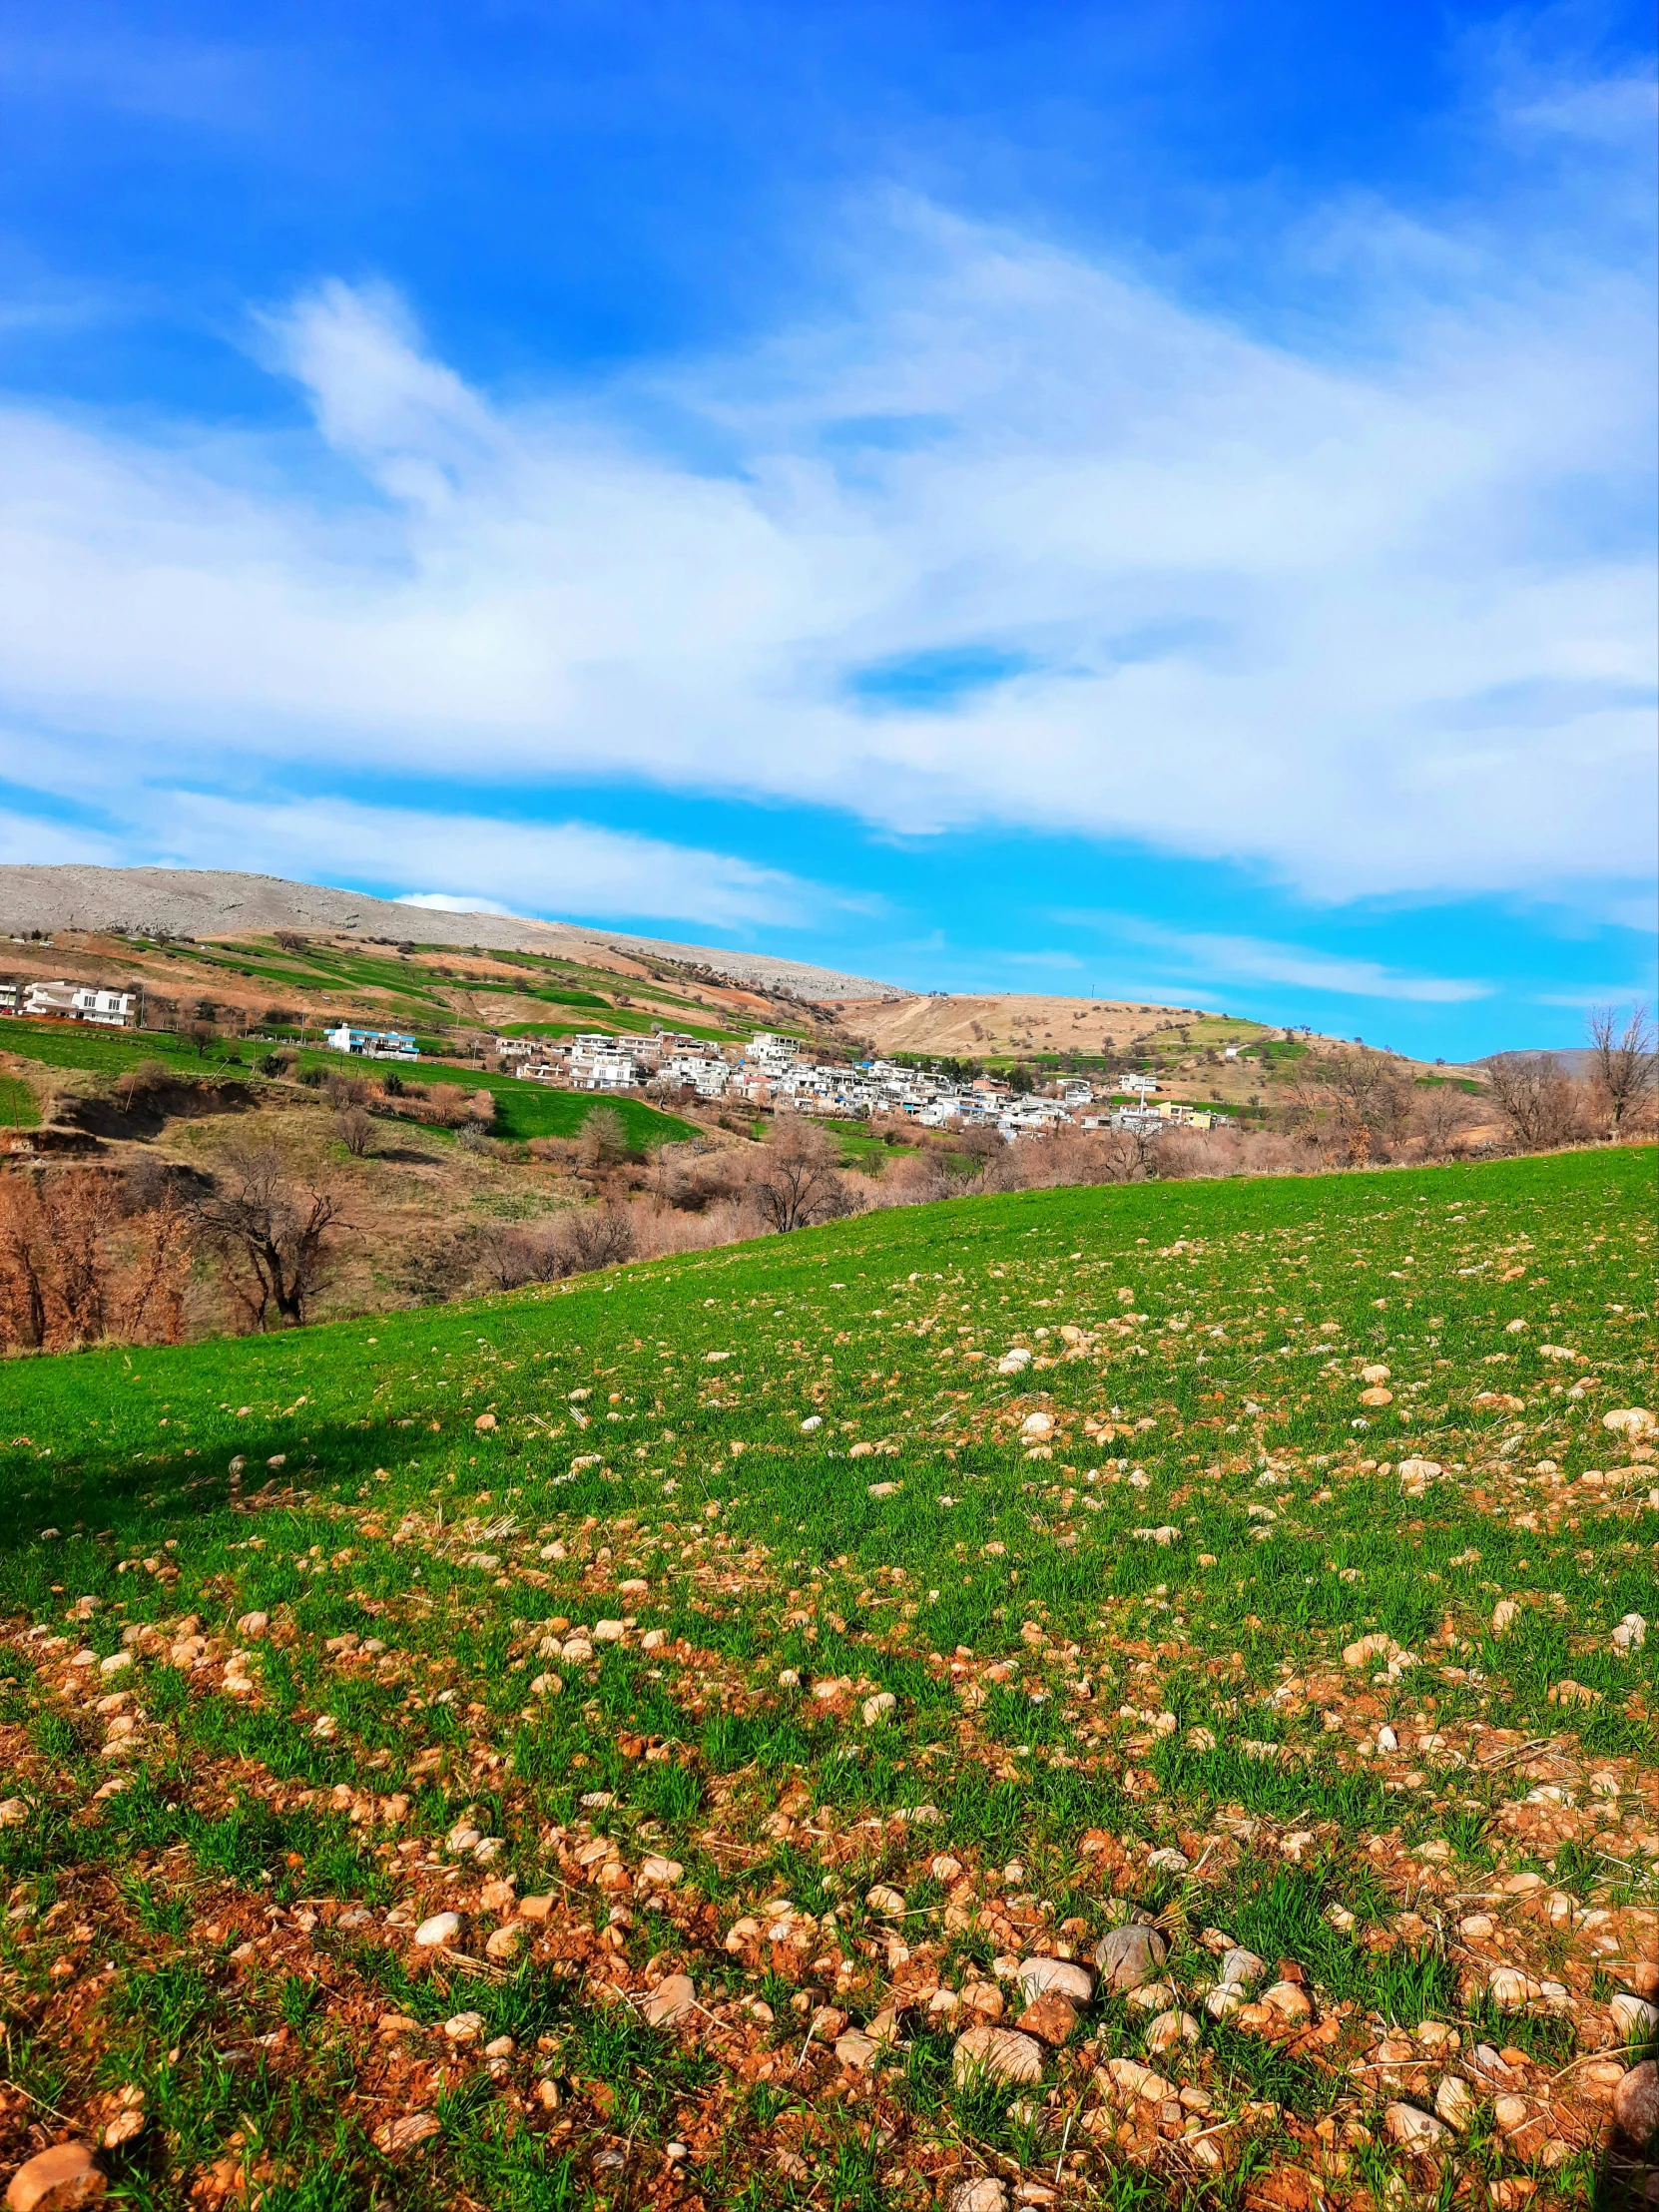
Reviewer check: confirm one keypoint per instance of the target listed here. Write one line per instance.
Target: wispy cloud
(1217, 957)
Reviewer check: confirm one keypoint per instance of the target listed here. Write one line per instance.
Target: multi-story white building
(706, 1073)
(598, 1062)
(79, 1002)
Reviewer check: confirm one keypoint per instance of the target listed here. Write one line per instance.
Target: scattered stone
(1170, 2029)
(440, 1931)
(1130, 1956)
(1051, 2017)
(983, 2195)
(1511, 1991)
(856, 2049)
(1420, 2133)
(252, 1625)
(875, 1709)
(983, 1998)
(504, 1943)
(1454, 2103)
(1289, 2001)
(1131, 2079)
(393, 2137)
(1224, 1998)
(1058, 1976)
(661, 1873)
(1168, 1861)
(1636, 2102)
(1002, 2052)
(1151, 1997)
(1242, 1967)
(462, 2027)
(56, 2179)
(673, 1996)
(1636, 2017)
(885, 1900)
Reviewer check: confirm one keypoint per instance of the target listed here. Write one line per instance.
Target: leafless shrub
(275, 1229)
(574, 1243)
(598, 1237)
(508, 1258)
(451, 1104)
(354, 1128)
(919, 1180)
(345, 1091)
(602, 1140)
(435, 1268)
(1443, 1117)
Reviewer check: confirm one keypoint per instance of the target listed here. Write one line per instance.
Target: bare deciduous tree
(275, 1229)
(796, 1182)
(1441, 1116)
(1622, 1060)
(1361, 1099)
(1537, 1098)
(80, 1264)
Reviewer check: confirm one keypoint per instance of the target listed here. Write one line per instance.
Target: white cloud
(1380, 621)
(449, 903)
(1216, 956)
(558, 868)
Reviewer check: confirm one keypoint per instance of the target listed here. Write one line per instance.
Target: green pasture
(645, 1451)
(1238, 1281)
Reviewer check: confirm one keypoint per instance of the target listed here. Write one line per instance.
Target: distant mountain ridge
(217, 902)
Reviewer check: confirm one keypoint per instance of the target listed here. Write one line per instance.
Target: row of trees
(89, 1256)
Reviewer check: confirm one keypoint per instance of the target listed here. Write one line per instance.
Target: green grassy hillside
(921, 1659)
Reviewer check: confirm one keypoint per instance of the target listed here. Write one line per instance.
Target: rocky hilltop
(219, 902)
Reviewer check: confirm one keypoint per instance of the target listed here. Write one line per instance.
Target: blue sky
(1144, 500)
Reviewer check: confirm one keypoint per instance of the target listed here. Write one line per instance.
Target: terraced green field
(522, 1109)
(770, 1656)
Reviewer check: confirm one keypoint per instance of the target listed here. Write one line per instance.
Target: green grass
(1230, 1322)
(859, 1148)
(19, 1108)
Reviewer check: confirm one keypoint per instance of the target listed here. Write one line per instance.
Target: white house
(371, 1044)
(82, 1002)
